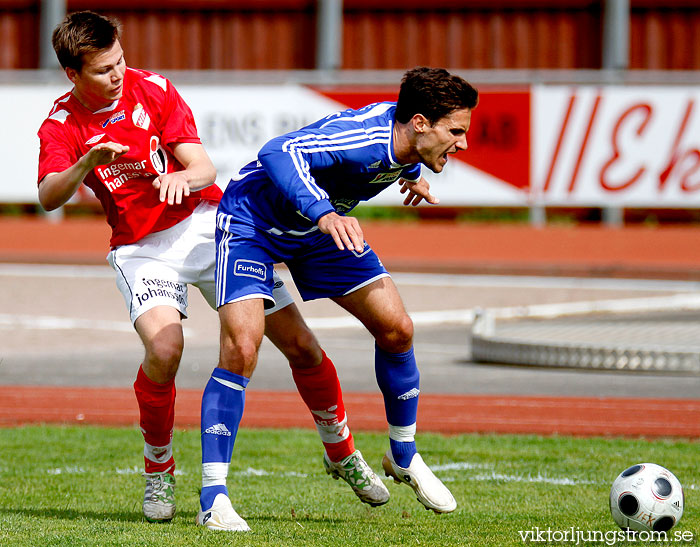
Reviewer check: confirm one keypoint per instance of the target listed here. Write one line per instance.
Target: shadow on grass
(300, 519)
(74, 514)
(187, 516)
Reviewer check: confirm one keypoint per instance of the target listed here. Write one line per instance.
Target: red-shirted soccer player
(129, 136)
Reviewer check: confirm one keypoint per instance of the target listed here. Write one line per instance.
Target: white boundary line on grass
(481, 476)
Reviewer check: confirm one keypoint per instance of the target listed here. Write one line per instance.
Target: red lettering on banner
(604, 181)
(557, 148)
(675, 153)
(581, 153)
(686, 184)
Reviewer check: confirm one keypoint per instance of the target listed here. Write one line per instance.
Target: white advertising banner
(616, 146)
(586, 146)
(235, 121)
(26, 107)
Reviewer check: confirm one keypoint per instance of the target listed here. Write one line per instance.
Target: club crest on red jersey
(140, 117)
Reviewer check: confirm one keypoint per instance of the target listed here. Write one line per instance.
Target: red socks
(319, 387)
(157, 416)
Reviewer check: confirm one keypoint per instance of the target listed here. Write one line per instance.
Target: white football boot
(429, 489)
(159, 498)
(222, 516)
(359, 475)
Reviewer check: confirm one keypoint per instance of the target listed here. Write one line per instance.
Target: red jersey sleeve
(56, 151)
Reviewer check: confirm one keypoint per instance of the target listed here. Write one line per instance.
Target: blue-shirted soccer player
(289, 206)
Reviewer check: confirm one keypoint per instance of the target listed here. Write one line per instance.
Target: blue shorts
(245, 257)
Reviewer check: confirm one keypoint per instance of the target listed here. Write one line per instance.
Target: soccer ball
(646, 497)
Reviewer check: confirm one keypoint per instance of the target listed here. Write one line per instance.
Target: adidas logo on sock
(409, 395)
(218, 429)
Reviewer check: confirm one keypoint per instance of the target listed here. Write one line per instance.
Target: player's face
(446, 136)
(100, 82)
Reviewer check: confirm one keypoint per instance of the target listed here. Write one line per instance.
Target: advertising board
(549, 145)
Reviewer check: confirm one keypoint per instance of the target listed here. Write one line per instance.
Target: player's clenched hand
(172, 186)
(104, 153)
(417, 192)
(345, 231)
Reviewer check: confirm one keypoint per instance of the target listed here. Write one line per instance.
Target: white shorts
(156, 270)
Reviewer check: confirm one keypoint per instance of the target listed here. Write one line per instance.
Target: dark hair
(83, 32)
(433, 92)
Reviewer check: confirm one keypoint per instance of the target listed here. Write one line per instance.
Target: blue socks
(223, 401)
(399, 381)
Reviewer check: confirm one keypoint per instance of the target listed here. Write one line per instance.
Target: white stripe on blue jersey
(344, 140)
(375, 110)
(304, 172)
(341, 144)
(343, 136)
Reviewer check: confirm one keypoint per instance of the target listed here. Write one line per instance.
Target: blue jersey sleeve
(412, 174)
(288, 161)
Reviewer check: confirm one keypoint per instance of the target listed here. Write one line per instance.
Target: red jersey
(149, 118)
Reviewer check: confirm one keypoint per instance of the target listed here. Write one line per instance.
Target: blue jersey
(330, 165)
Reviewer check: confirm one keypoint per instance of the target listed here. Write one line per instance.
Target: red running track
(450, 414)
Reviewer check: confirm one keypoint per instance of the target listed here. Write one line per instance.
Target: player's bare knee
(302, 349)
(305, 355)
(164, 355)
(238, 355)
(398, 337)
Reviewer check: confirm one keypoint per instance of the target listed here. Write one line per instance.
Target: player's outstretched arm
(199, 173)
(345, 231)
(57, 188)
(417, 192)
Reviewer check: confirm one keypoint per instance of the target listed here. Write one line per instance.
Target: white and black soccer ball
(647, 497)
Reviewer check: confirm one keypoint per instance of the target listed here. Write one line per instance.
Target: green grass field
(82, 486)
